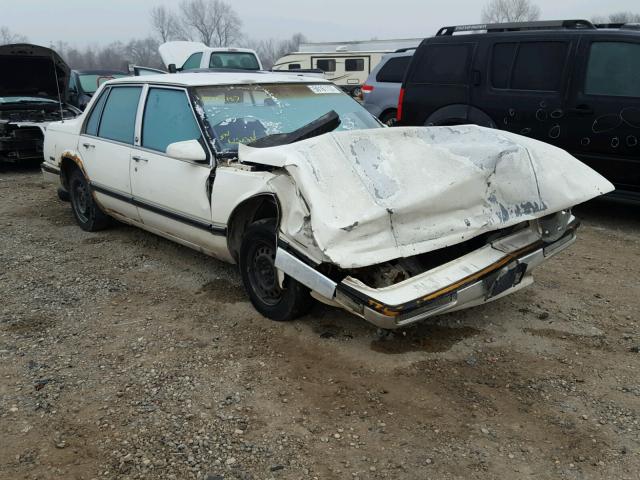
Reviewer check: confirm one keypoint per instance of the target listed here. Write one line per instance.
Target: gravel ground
(123, 355)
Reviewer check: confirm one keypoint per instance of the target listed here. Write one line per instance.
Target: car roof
(101, 72)
(240, 77)
(621, 32)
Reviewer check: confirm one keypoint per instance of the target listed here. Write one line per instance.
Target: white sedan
(297, 183)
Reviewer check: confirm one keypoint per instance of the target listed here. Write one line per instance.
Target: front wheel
(85, 210)
(260, 276)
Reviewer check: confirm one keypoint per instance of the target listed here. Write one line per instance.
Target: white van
(181, 56)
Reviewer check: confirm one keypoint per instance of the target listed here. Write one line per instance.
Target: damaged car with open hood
(33, 90)
(313, 198)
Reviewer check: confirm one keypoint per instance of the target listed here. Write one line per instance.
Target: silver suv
(380, 91)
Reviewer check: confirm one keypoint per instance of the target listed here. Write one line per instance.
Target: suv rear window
(443, 64)
(538, 66)
(393, 71)
(613, 69)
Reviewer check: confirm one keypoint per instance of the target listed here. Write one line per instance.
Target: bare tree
(166, 24)
(624, 17)
(271, 49)
(500, 11)
(143, 52)
(214, 22)
(7, 36)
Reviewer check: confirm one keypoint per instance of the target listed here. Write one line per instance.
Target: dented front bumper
(498, 269)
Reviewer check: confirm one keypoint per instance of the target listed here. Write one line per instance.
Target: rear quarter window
(443, 64)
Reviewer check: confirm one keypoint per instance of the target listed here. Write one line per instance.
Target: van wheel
(260, 276)
(85, 210)
(389, 118)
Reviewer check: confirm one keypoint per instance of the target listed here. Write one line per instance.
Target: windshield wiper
(324, 124)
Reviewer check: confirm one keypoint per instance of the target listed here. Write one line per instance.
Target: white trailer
(347, 64)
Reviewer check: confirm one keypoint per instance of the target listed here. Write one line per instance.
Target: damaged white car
(312, 197)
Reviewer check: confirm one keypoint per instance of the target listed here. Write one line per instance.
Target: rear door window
(393, 71)
(539, 66)
(119, 116)
(502, 63)
(168, 118)
(443, 64)
(613, 69)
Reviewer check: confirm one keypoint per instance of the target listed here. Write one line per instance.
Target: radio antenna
(55, 71)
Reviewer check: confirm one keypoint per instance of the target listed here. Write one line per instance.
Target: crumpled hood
(31, 70)
(380, 194)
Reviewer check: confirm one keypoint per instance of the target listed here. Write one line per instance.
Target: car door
(173, 195)
(605, 108)
(105, 146)
(521, 85)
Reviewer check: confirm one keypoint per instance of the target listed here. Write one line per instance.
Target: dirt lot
(123, 355)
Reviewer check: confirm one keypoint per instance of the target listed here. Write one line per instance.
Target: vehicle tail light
(367, 88)
(400, 100)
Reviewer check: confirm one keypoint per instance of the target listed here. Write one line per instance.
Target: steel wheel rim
(81, 201)
(263, 274)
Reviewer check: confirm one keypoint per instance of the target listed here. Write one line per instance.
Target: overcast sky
(88, 22)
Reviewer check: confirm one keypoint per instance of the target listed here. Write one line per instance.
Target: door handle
(88, 145)
(582, 110)
(136, 158)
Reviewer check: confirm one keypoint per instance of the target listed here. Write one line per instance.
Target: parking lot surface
(123, 355)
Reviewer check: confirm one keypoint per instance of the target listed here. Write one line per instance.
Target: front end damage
(399, 225)
(402, 292)
(33, 89)
(22, 130)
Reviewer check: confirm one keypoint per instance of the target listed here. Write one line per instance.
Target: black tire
(85, 210)
(260, 278)
(389, 118)
(63, 195)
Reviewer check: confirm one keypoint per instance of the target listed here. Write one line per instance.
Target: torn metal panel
(377, 195)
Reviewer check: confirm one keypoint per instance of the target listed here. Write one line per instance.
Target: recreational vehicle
(347, 64)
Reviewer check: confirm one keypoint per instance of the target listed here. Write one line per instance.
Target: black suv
(570, 83)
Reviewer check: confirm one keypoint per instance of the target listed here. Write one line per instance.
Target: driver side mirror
(172, 68)
(189, 150)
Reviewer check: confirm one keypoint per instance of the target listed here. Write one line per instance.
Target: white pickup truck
(184, 56)
(313, 197)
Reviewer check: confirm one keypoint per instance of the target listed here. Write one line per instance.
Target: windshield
(244, 113)
(240, 60)
(26, 100)
(91, 82)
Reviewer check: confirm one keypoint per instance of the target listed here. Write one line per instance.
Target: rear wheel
(85, 210)
(260, 276)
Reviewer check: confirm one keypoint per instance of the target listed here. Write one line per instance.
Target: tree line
(216, 23)
(212, 22)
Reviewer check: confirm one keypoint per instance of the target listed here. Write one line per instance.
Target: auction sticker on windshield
(324, 89)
